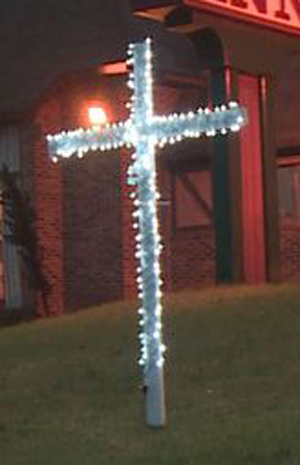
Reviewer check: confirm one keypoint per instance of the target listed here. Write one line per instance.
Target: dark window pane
(193, 199)
(289, 191)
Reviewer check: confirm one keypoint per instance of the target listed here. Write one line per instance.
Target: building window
(192, 199)
(289, 188)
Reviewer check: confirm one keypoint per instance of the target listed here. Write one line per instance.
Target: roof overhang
(283, 16)
(155, 9)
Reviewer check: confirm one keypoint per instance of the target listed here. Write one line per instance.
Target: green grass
(70, 387)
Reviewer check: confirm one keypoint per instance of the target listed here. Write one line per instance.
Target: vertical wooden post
(252, 183)
(221, 189)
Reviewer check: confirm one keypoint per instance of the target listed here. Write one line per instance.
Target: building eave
(157, 10)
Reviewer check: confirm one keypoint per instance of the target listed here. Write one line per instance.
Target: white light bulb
(160, 362)
(235, 127)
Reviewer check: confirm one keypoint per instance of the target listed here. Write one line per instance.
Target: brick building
(230, 208)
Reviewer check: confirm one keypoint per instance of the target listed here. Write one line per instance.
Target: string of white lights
(148, 241)
(163, 130)
(143, 131)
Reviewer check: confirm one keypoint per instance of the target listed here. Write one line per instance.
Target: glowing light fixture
(97, 115)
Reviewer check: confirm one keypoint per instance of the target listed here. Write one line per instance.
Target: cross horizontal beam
(162, 130)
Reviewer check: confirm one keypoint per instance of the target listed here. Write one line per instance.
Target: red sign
(281, 14)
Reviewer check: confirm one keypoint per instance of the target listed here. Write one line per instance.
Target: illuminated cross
(143, 131)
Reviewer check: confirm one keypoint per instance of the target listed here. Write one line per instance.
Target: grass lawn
(70, 387)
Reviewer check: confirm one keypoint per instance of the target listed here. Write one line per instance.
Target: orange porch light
(96, 114)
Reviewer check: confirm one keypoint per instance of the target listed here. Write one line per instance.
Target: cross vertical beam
(148, 239)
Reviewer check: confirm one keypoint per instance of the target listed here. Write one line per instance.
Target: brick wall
(192, 259)
(92, 230)
(92, 203)
(48, 208)
(78, 205)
